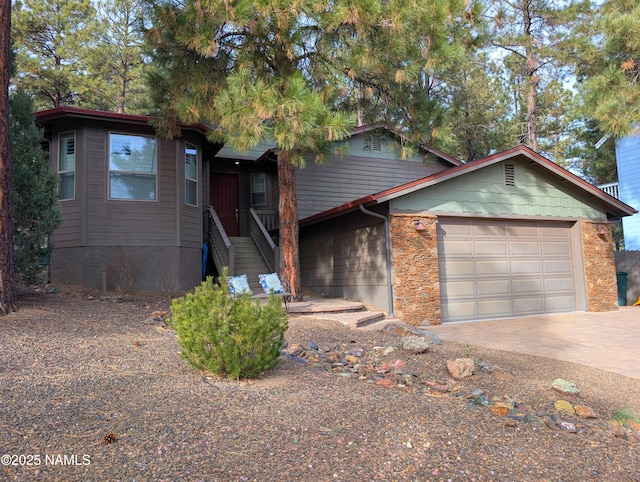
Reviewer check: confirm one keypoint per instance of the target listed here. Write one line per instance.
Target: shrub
(232, 337)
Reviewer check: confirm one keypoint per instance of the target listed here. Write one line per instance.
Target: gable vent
(509, 176)
(376, 142)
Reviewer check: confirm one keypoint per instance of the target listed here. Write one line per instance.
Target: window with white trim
(258, 189)
(132, 167)
(191, 175)
(67, 166)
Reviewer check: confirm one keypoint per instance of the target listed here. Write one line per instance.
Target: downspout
(387, 236)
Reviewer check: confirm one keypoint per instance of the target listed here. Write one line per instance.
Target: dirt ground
(95, 389)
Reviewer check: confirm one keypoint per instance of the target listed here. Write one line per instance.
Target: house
(627, 161)
(428, 238)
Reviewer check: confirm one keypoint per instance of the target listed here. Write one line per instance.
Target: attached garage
(496, 269)
(506, 236)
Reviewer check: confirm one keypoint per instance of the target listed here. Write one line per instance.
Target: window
(132, 167)
(258, 190)
(67, 166)
(191, 175)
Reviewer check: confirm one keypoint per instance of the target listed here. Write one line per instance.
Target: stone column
(599, 266)
(416, 281)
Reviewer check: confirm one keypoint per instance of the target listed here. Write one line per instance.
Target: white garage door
(499, 269)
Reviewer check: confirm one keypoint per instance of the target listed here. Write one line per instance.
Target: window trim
(140, 173)
(188, 146)
(60, 171)
(264, 192)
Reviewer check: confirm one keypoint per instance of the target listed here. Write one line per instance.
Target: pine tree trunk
(532, 82)
(290, 262)
(7, 292)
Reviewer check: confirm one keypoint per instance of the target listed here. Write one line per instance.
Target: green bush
(232, 337)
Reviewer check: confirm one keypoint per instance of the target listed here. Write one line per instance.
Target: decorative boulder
(415, 344)
(460, 367)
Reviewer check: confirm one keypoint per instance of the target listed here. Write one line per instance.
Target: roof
(65, 111)
(614, 206)
(268, 146)
(444, 156)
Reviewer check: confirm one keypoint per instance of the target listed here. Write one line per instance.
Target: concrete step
(350, 313)
(314, 307)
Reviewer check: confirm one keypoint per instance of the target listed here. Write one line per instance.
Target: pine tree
(33, 195)
(279, 69)
(610, 67)
(54, 39)
(533, 36)
(7, 287)
(118, 59)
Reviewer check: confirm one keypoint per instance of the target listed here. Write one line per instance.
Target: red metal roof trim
(67, 111)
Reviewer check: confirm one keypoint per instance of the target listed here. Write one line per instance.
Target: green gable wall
(360, 146)
(484, 191)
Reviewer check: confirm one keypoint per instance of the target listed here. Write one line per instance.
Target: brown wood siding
(130, 223)
(68, 234)
(320, 188)
(346, 258)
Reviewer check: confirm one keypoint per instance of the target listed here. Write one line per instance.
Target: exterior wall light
(418, 225)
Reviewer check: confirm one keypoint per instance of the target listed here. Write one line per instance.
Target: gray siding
(346, 258)
(359, 173)
(628, 159)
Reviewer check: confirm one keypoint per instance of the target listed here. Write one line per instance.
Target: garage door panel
(493, 287)
(558, 231)
(556, 249)
(459, 289)
(522, 230)
(462, 310)
(497, 269)
(555, 285)
(522, 286)
(496, 308)
(491, 248)
(521, 267)
(559, 304)
(489, 230)
(492, 267)
(459, 268)
(457, 247)
(524, 248)
(453, 229)
(528, 306)
(557, 266)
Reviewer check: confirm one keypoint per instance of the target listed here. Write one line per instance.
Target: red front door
(224, 199)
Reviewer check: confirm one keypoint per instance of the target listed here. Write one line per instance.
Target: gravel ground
(76, 369)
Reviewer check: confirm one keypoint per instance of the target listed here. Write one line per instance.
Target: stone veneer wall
(415, 276)
(599, 267)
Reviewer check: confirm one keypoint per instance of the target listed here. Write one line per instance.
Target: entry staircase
(257, 254)
(249, 261)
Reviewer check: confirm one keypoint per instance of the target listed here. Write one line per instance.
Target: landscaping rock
(584, 412)
(460, 367)
(564, 406)
(564, 386)
(415, 344)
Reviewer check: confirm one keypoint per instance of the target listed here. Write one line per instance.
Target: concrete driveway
(609, 341)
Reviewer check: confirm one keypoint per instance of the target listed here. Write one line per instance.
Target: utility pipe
(387, 236)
